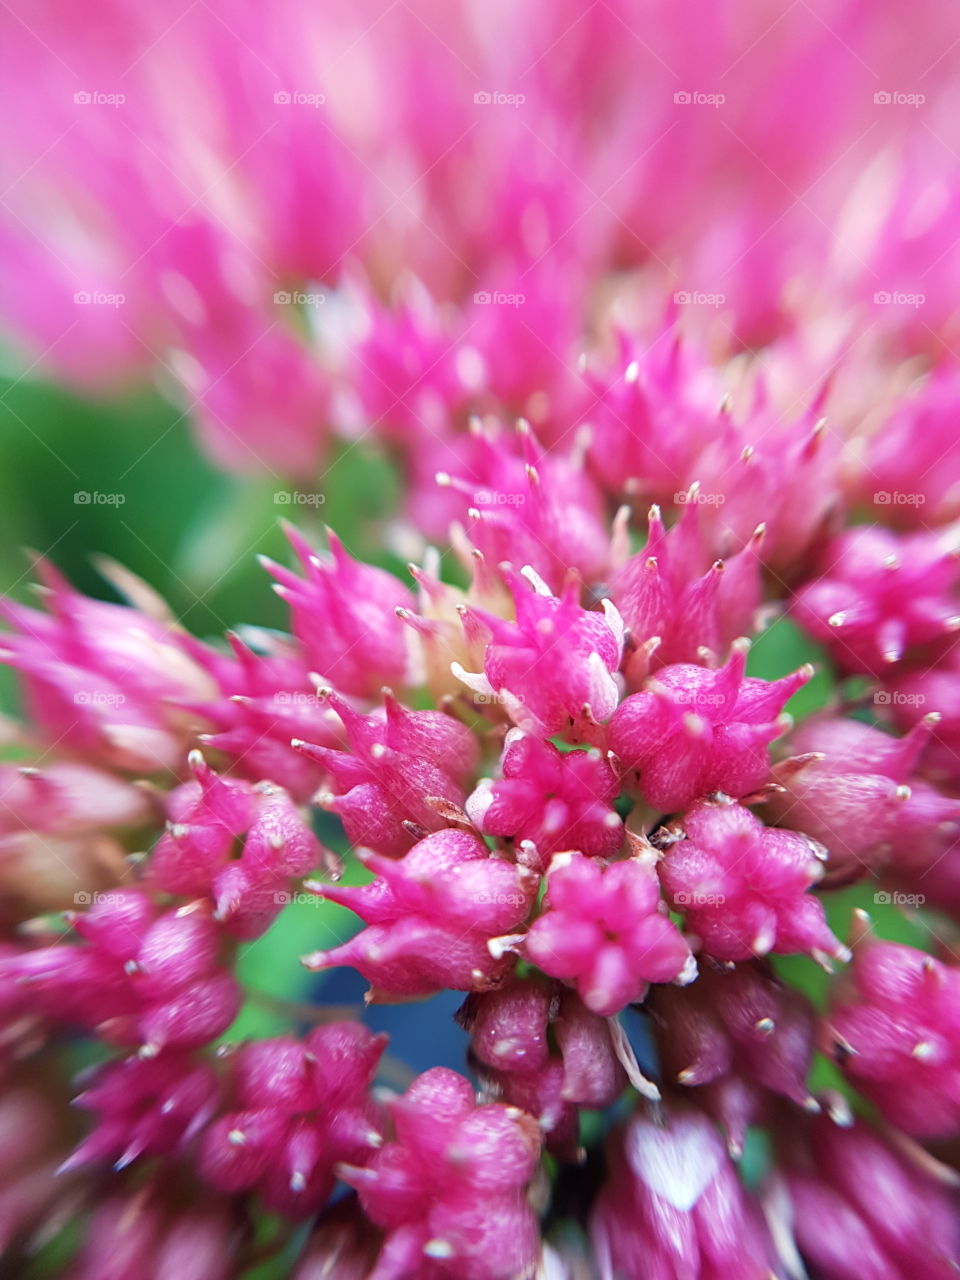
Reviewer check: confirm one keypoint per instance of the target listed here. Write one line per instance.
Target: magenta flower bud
(431, 915)
(532, 507)
(915, 453)
(655, 417)
(882, 600)
(852, 787)
(342, 1245)
(139, 980)
(678, 602)
(71, 798)
(863, 1210)
(742, 887)
(508, 1027)
(264, 699)
(554, 668)
(735, 1035)
(146, 1107)
(606, 930)
(693, 731)
(592, 1074)
(299, 1108)
(915, 696)
(344, 614)
(103, 679)
(552, 801)
(673, 1206)
(894, 1028)
(395, 766)
(449, 1190)
(155, 1233)
(511, 1052)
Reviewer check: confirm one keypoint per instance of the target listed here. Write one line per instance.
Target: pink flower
(673, 1205)
(606, 931)
(147, 1107)
(742, 887)
(103, 679)
(533, 507)
(512, 1031)
(213, 818)
(399, 766)
(141, 979)
(448, 1191)
(862, 1208)
(894, 1027)
(853, 788)
(344, 614)
(430, 916)
(692, 731)
(548, 801)
(676, 604)
(298, 1109)
(735, 1036)
(554, 668)
(882, 600)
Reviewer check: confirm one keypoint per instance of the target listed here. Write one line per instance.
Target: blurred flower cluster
(652, 311)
